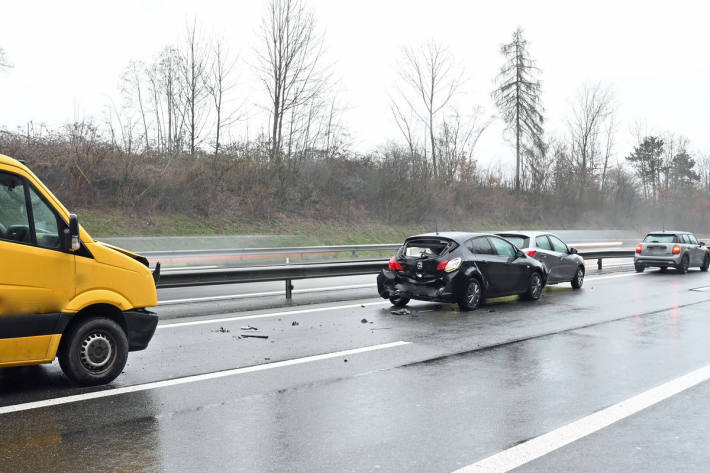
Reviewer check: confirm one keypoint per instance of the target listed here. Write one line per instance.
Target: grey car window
(502, 247)
(663, 238)
(693, 240)
(480, 246)
(684, 239)
(543, 243)
(557, 244)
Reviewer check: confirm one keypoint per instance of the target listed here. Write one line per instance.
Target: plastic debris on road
(402, 311)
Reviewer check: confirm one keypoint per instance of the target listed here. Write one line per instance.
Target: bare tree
(590, 112)
(167, 95)
(608, 149)
(431, 79)
(219, 85)
(289, 65)
(456, 143)
(517, 95)
(133, 90)
(194, 69)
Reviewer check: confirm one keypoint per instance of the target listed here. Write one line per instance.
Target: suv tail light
(442, 266)
(531, 253)
(676, 249)
(395, 265)
(639, 248)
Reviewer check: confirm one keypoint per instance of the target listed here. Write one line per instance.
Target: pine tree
(517, 96)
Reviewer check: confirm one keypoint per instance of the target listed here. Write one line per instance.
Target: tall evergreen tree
(647, 160)
(517, 96)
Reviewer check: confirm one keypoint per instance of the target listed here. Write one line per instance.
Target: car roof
(667, 232)
(458, 237)
(526, 233)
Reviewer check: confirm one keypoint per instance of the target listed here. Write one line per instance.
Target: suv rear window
(518, 240)
(427, 247)
(659, 238)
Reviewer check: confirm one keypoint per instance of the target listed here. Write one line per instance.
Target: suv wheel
(471, 298)
(684, 263)
(534, 287)
(94, 351)
(578, 278)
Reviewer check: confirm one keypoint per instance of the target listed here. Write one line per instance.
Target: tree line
(178, 140)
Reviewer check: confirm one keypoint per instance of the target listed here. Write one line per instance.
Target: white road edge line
(270, 314)
(613, 276)
(537, 447)
(262, 294)
(192, 379)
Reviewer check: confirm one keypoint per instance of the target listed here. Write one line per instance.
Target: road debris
(402, 311)
(249, 327)
(221, 330)
(363, 321)
(253, 336)
(294, 323)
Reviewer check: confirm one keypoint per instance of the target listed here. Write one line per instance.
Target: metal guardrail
(353, 249)
(289, 272)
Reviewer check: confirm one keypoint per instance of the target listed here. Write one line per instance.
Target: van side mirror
(73, 244)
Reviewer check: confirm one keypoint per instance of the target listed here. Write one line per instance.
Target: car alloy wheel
(534, 286)
(578, 278)
(472, 296)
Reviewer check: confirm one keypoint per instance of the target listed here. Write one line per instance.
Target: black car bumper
(140, 327)
(445, 288)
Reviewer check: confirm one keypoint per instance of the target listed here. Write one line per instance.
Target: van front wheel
(94, 352)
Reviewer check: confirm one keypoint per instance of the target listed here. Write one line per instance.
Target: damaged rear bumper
(440, 289)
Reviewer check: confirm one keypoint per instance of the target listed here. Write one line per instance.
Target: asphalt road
(350, 386)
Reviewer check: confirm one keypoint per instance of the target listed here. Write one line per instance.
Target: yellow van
(62, 294)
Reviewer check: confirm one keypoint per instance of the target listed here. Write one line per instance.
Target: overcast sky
(69, 55)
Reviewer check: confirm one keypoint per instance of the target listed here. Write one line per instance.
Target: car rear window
(659, 238)
(419, 247)
(520, 241)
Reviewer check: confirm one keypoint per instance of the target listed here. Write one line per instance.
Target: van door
(36, 275)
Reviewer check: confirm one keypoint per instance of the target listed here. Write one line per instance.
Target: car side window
(46, 222)
(543, 243)
(502, 247)
(557, 245)
(14, 220)
(684, 239)
(693, 240)
(480, 246)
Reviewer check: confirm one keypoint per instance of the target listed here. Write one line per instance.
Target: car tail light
(676, 249)
(442, 266)
(639, 248)
(395, 265)
(451, 265)
(531, 253)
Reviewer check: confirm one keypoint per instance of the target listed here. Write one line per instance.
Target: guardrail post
(599, 263)
(289, 290)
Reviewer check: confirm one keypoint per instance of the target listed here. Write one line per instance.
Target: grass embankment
(297, 232)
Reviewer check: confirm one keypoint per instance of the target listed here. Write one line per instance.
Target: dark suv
(459, 267)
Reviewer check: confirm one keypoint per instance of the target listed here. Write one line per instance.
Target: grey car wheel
(534, 287)
(706, 263)
(684, 263)
(578, 278)
(639, 268)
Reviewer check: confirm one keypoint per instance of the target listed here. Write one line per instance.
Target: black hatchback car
(459, 267)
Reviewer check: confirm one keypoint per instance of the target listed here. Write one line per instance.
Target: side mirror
(701, 243)
(520, 254)
(74, 243)
(573, 251)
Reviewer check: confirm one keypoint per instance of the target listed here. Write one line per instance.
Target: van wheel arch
(95, 310)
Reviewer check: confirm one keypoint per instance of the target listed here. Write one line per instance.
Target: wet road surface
(350, 386)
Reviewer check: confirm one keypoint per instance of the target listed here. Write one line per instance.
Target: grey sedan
(562, 262)
(671, 249)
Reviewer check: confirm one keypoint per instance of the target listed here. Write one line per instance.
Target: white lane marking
(193, 379)
(177, 268)
(262, 294)
(614, 276)
(270, 314)
(558, 438)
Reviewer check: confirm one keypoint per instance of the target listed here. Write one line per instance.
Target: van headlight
(452, 265)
